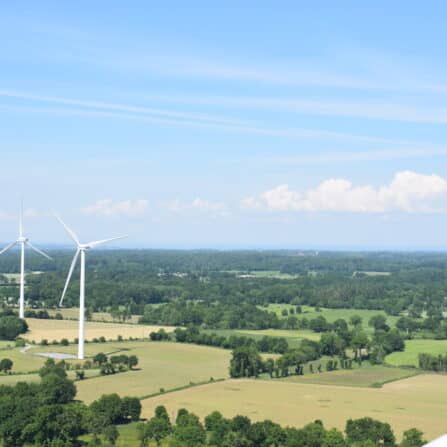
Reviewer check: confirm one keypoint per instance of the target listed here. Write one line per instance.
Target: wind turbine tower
(80, 250)
(22, 241)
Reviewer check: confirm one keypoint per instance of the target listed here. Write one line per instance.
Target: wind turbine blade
(30, 245)
(104, 241)
(70, 232)
(70, 272)
(8, 247)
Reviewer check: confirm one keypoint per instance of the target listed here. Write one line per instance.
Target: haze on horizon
(309, 127)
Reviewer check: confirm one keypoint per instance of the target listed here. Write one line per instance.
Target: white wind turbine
(80, 248)
(22, 240)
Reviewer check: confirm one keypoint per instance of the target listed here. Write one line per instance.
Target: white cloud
(407, 192)
(199, 205)
(206, 205)
(108, 207)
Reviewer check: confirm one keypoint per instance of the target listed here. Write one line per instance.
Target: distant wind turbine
(22, 240)
(80, 248)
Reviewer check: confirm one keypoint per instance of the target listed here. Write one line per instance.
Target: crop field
(161, 365)
(366, 376)
(409, 357)
(415, 402)
(59, 329)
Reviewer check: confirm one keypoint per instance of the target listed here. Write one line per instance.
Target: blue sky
(254, 124)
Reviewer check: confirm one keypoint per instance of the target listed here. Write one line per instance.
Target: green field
(22, 362)
(409, 357)
(331, 315)
(161, 365)
(415, 402)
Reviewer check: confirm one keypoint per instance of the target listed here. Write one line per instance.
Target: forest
(394, 282)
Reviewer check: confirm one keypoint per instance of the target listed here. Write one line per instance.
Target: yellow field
(415, 402)
(59, 329)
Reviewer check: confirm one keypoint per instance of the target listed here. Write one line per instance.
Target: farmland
(331, 315)
(409, 357)
(365, 376)
(417, 401)
(190, 373)
(72, 313)
(59, 329)
(161, 365)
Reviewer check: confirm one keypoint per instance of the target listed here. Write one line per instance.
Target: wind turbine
(80, 249)
(22, 240)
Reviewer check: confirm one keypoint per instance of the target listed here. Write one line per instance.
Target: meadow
(59, 329)
(409, 357)
(331, 315)
(414, 402)
(161, 365)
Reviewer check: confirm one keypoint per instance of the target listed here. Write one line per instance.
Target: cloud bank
(407, 192)
(109, 208)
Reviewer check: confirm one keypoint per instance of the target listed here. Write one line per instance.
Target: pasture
(415, 402)
(409, 357)
(22, 362)
(331, 315)
(161, 365)
(59, 329)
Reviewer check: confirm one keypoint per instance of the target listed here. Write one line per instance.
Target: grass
(22, 363)
(415, 402)
(59, 329)
(366, 376)
(332, 314)
(6, 344)
(409, 357)
(128, 437)
(161, 365)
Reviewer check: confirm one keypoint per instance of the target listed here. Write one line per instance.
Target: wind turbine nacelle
(22, 239)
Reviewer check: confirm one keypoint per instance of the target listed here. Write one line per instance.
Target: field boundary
(181, 388)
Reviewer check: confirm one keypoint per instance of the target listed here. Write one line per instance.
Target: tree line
(188, 431)
(46, 414)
